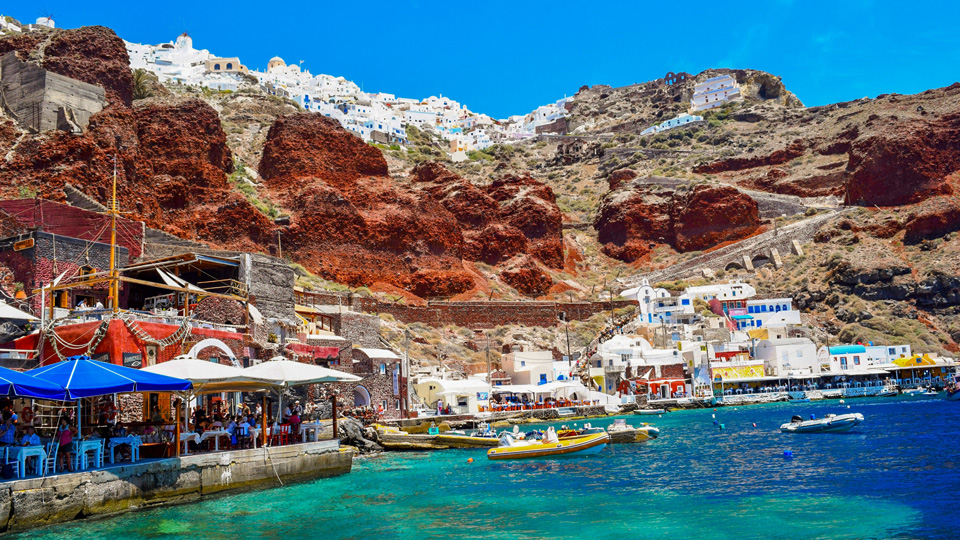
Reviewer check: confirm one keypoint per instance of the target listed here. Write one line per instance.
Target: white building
(768, 313)
(714, 92)
(859, 358)
(529, 367)
(681, 120)
(792, 357)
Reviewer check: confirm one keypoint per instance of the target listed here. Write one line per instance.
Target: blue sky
(507, 57)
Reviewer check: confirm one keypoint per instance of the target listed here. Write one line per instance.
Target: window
(383, 404)
(799, 353)
(523, 363)
(383, 369)
(398, 405)
(892, 350)
(685, 302)
(856, 360)
(229, 66)
(843, 362)
(759, 323)
(216, 67)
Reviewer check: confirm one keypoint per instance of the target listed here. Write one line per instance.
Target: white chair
(50, 463)
(15, 463)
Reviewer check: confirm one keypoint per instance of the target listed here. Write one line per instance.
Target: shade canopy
(208, 376)
(283, 372)
(82, 377)
(8, 312)
(14, 383)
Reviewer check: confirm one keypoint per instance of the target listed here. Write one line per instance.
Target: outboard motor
(796, 419)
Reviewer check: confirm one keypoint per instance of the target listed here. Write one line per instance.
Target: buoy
(754, 424)
(721, 426)
(716, 423)
(787, 454)
(714, 410)
(848, 406)
(842, 402)
(813, 417)
(470, 460)
(713, 416)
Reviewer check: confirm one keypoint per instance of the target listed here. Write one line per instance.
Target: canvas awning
(8, 312)
(82, 377)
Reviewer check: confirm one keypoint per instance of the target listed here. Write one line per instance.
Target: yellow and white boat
(550, 446)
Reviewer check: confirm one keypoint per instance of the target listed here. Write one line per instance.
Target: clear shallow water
(894, 476)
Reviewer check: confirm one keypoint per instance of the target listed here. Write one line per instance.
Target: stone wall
(27, 504)
(41, 100)
(359, 328)
(270, 282)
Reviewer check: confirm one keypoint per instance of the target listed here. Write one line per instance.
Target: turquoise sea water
(894, 476)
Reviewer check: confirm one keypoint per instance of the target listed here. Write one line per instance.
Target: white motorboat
(649, 411)
(831, 423)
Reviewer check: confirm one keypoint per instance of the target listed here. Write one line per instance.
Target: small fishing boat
(831, 423)
(620, 431)
(649, 411)
(800, 400)
(548, 447)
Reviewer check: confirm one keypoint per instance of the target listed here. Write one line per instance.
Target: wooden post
(333, 403)
(263, 426)
(176, 430)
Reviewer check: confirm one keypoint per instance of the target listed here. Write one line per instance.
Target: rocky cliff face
(92, 54)
(634, 219)
(512, 215)
(349, 221)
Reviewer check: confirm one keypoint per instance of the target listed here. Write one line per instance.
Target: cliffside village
(176, 297)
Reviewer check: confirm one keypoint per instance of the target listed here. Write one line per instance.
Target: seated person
(8, 432)
(30, 438)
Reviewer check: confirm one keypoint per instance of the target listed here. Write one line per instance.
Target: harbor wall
(36, 502)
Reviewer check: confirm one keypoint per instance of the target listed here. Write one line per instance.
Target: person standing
(8, 432)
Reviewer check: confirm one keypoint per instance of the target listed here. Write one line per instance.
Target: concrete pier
(35, 502)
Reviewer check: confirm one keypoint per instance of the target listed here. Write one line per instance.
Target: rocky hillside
(557, 216)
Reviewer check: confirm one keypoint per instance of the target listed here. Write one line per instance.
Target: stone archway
(733, 267)
(760, 260)
(216, 343)
(361, 397)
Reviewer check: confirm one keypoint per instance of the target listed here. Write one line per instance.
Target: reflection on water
(894, 475)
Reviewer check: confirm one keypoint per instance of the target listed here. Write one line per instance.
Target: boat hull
(836, 424)
(580, 446)
(467, 441)
(649, 411)
(955, 396)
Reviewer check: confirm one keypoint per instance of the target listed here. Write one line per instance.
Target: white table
(93, 445)
(187, 437)
(132, 440)
(313, 427)
(215, 435)
(21, 453)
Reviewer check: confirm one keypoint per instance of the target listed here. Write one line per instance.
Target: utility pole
(406, 361)
(279, 246)
(114, 282)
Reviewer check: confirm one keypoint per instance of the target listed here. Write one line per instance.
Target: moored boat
(649, 411)
(831, 423)
(548, 447)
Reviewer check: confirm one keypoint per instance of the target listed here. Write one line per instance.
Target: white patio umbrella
(285, 373)
(209, 377)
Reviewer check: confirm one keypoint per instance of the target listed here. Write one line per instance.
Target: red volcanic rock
(712, 215)
(185, 140)
(351, 223)
(935, 218)
(792, 151)
(92, 54)
(905, 165)
(494, 244)
(619, 177)
(512, 215)
(525, 275)
(306, 144)
(632, 221)
(531, 207)
(473, 208)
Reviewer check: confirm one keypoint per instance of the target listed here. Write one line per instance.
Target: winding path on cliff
(780, 239)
